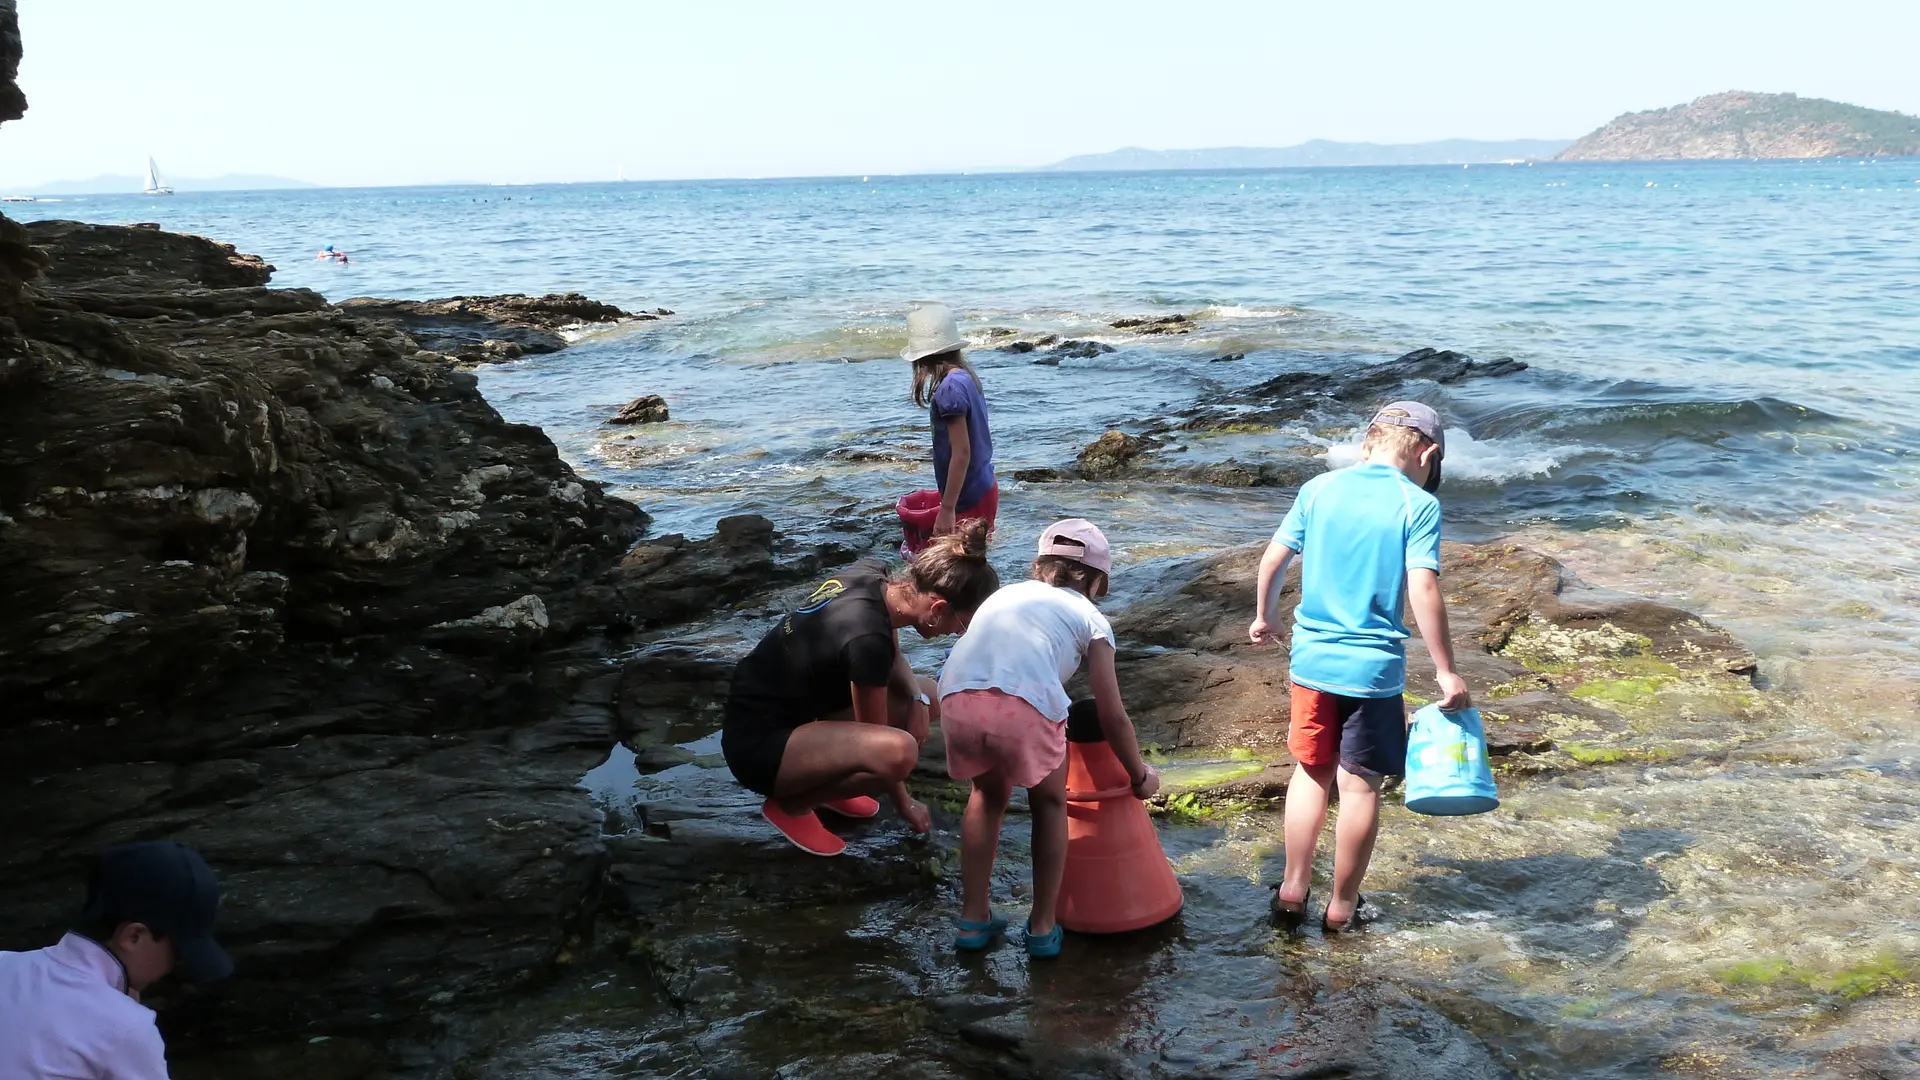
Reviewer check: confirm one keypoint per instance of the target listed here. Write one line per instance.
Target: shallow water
(1719, 414)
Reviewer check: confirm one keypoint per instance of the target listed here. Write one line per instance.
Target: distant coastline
(1317, 152)
(116, 184)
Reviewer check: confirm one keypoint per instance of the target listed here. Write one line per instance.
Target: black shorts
(753, 745)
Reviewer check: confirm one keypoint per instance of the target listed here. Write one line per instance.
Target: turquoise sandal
(975, 936)
(1045, 946)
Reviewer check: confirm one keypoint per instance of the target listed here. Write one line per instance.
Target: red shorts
(1367, 735)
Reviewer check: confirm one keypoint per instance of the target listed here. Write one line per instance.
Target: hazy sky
(414, 91)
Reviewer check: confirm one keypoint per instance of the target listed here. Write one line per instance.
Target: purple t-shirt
(959, 395)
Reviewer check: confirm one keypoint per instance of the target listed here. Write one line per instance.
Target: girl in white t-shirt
(1003, 702)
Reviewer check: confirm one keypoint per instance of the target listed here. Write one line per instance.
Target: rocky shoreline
(287, 588)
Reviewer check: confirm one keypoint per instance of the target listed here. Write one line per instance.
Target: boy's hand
(943, 522)
(1148, 784)
(1260, 633)
(1453, 691)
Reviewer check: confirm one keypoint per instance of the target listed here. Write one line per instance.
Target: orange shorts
(1367, 735)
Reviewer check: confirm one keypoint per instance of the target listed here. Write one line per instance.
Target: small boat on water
(155, 186)
(18, 198)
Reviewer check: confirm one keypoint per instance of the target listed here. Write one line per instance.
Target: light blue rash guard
(1358, 531)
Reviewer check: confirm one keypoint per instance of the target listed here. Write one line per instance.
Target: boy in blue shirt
(1370, 541)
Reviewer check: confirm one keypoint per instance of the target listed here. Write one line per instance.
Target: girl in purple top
(947, 386)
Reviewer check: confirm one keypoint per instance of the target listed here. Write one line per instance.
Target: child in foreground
(73, 1009)
(1004, 708)
(1370, 541)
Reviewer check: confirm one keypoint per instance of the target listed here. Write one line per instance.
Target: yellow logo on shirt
(828, 589)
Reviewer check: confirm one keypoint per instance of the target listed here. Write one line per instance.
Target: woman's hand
(914, 813)
(1148, 783)
(943, 521)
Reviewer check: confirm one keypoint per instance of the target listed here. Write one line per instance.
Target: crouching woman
(825, 712)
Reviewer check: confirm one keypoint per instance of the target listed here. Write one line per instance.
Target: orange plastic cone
(1117, 876)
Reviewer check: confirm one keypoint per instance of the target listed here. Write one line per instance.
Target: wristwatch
(923, 699)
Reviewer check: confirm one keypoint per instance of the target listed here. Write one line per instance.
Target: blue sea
(1722, 411)
(1717, 349)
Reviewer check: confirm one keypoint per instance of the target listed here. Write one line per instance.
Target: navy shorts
(1367, 735)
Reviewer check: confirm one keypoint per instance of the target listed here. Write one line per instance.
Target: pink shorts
(988, 731)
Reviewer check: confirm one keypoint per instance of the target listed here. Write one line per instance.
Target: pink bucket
(917, 511)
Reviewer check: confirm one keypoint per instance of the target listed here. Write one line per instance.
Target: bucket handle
(1099, 796)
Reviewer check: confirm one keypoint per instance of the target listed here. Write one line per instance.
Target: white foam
(1481, 461)
(1235, 311)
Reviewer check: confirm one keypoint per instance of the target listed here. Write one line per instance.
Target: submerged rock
(646, 409)
(1080, 350)
(1027, 345)
(491, 329)
(1155, 324)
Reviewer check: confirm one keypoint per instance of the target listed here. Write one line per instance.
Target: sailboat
(155, 185)
(620, 174)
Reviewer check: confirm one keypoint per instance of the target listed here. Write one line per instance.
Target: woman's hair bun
(972, 534)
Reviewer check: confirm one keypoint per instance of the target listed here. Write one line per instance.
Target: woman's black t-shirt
(806, 665)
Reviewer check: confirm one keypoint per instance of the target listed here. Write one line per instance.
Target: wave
(1235, 311)
(1479, 461)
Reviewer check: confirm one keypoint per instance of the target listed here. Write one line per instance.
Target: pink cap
(1078, 538)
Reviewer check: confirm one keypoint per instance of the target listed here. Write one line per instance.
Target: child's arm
(957, 465)
(1273, 574)
(1113, 718)
(1430, 615)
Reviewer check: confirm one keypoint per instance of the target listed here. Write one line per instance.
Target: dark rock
(1027, 345)
(1081, 350)
(97, 254)
(669, 579)
(13, 103)
(1228, 358)
(1048, 361)
(491, 329)
(281, 584)
(647, 409)
(1151, 324)
(1109, 455)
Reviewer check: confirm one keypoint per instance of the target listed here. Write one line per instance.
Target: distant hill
(121, 185)
(1317, 152)
(1738, 124)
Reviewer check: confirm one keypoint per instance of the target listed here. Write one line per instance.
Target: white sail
(154, 184)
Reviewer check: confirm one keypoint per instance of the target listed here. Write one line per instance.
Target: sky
(355, 92)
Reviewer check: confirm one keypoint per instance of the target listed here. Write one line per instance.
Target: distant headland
(1739, 124)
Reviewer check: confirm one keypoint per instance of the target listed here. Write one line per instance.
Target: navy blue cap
(170, 889)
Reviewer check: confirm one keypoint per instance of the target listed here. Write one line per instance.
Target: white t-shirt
(1026, 640)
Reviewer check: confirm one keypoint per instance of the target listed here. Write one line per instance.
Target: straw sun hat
(931, 331)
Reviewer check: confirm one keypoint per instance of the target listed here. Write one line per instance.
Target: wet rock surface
(1553, 665)
(492, 329)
